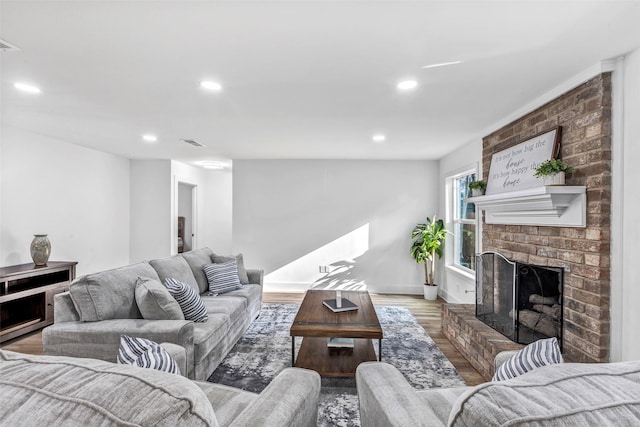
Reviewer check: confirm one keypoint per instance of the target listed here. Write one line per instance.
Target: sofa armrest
(387, 399)
(63, 308)
(256, 277)
(101, 340)
(178, 354)
(291, 399)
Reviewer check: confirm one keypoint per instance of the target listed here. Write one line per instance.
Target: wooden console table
(26, 295)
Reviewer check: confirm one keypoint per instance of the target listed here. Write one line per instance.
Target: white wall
(78, 196)
(213, 200)
(154, 208)
(625, 292)
(218, 208)
(291, 216)
(151, 210)
(453, 282)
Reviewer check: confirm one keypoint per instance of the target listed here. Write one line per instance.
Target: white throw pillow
(145, 353)
(537, 354)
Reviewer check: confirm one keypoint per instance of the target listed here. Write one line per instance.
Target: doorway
(186, 227)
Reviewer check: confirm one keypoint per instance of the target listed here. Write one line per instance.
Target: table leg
(380, 350)
(293, 351)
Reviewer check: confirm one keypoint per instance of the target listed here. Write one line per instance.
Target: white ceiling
(302, 79)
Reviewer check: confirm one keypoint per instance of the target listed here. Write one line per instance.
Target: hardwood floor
(428, 314)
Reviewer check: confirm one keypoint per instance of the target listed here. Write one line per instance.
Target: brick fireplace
(584, 253)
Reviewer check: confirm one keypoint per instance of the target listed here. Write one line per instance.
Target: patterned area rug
(265, 350)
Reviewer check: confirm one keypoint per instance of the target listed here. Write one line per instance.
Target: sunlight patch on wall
(338, 256)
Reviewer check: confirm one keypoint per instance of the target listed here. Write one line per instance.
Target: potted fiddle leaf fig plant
(428, 240)
(553, 171)
(477, 188)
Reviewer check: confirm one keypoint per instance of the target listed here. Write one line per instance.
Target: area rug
(265, 350)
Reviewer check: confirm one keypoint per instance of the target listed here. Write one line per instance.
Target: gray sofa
(66, 391)
(100, 307)
(577, 394)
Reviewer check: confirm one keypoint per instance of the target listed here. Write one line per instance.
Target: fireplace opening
(522, 301)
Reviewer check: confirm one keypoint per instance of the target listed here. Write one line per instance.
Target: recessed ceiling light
(442, 64)
(149, 137)
(378, 138)
(211, 85)
(27, 87)
(210, 164)
(407, 85)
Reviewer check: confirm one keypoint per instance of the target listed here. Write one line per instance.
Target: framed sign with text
(512, 169)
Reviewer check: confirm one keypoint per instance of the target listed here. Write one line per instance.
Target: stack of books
(340, 342)
(344, 305)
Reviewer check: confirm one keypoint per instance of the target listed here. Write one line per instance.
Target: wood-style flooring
(428, 314)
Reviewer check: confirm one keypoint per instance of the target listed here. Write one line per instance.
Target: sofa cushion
(209, 335)
(222, 277)
(175, 267)
(145, 353)
(577, 394)
(535, 355)
(188, 299)
(250, 292)
(232, 306)
(155, 302)
(46, 390)
(109, 294)
(242, 272)
(437, 403)
(196, 259)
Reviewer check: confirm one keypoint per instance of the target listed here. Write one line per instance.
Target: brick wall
(475, 340)
(585, 116)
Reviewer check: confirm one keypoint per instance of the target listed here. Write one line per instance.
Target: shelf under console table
(26, 295)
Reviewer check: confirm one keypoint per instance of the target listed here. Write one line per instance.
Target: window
(464, 222)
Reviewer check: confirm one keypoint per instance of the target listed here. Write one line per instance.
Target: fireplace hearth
(521, 301)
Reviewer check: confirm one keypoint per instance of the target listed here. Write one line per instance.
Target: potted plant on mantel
(477, 188)
(429, 238)
(553, 171)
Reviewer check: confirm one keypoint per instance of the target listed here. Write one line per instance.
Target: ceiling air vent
(7, 47)
(193, 142)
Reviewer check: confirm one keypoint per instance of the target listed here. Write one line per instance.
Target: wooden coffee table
(316, 323)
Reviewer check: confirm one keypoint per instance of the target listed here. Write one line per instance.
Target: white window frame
(453, 250)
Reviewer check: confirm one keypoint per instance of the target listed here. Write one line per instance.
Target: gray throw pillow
(155, 302)
(145, 353)
(242, 272)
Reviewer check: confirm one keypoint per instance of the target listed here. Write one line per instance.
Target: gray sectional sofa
(100, 307)
(67, 391)
(565, 394)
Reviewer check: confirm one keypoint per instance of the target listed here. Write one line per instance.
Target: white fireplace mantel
(559, 206)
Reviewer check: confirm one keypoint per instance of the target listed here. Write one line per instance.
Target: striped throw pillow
(222, 277)
(145, 354)
(190, 302)
(242, 272)
(537, 354)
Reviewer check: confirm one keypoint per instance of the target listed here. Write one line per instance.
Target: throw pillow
(155, 302)
(145, 354)
(242, 272)
(190, 302)
(222, 277)
(537, 354)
